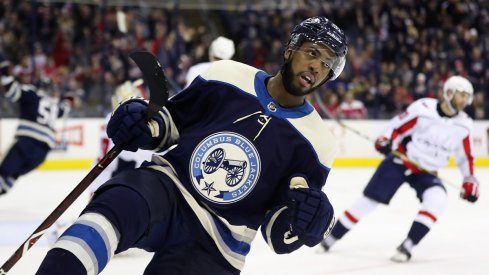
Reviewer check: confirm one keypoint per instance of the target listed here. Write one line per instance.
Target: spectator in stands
(476, 110)
(388, 39)
(351, 108)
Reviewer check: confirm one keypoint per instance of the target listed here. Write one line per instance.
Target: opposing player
(221, 48)
(427, 133)
(34, 136)
(126, 159)
(242, 139)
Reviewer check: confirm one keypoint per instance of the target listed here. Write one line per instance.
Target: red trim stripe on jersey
(402, 149)
(350, 217)
(469, 156)
(427, 214)
(404, 128)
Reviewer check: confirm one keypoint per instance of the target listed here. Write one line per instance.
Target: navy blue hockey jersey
(236, 150)
(38, 112)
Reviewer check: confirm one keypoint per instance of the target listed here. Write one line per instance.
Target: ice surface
(456, 245)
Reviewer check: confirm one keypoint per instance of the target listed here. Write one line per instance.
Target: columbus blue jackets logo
(225, 167)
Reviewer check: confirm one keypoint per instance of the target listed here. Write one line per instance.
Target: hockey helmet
(126, 90)
(44, 84)
(457, 83)
(321, 30)
(221, 48)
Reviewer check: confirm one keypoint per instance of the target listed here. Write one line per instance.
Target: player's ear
(287, 53)
(450, 93)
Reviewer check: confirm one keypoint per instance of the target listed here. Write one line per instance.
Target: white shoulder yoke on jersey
(304, 118)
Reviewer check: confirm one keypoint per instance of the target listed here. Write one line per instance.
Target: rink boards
(79, 141)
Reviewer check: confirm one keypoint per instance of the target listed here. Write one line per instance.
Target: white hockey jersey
(429, 137)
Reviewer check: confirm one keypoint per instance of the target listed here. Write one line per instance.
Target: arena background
(399, 51)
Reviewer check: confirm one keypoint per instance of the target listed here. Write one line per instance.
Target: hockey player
(126, 159)
(428, 132)
(34, 136)
(242, 139)
(221, 48)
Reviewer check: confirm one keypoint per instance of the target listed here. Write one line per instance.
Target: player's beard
(287, 81)
(457, 107)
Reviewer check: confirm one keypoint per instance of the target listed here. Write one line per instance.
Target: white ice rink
(458, 244)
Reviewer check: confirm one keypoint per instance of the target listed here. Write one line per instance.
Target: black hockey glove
(383, 145)
(128, 129)
(312, 214)
(470, 189)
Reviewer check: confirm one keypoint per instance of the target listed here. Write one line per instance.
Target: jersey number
(47, 113)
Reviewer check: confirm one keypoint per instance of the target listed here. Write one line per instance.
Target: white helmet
(126, 90)
(457, 83)
(221, 48)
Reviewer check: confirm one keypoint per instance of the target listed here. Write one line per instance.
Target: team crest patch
(225, 167)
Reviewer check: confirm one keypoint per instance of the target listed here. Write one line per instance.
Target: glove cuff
(130, 99)
(471, 179)
(6, 80)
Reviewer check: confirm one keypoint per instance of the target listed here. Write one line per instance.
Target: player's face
(306, 68)
(460, 100)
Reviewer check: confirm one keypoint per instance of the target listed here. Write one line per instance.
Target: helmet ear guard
(457, 83)
(320, 30)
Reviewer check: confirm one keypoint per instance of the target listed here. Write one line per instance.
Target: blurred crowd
(399, 51)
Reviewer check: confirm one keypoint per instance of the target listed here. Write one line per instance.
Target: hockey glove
(470, 189)
(72, 99)
(128, 129)
(383, 145)
(6, 81)
(312, 215)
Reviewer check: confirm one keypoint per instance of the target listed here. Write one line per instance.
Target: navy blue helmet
(320, 30)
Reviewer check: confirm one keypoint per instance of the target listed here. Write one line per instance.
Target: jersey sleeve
(13, 91)
(403, 124)
(463, 153)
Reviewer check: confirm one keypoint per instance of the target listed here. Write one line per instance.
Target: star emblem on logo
(209, 187)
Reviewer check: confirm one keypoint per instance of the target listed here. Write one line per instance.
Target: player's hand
(312, 215)
(129, 130)
(383, 145)
(73, 99)
(470, 189)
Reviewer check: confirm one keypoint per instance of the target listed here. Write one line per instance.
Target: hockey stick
(394, 152)
(63, 142)
(156, 81)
